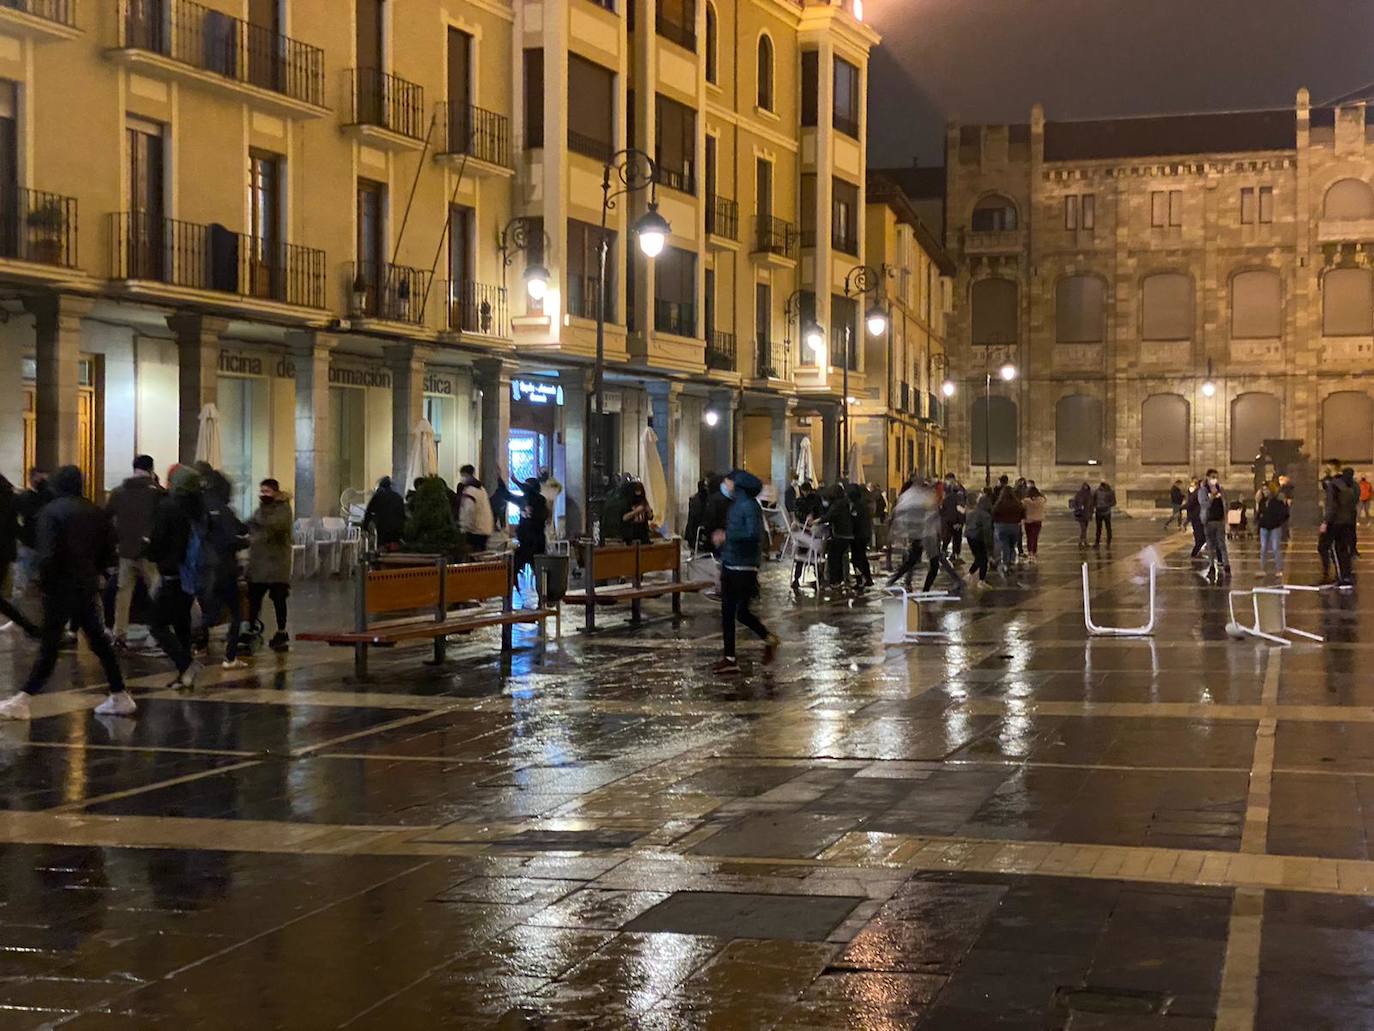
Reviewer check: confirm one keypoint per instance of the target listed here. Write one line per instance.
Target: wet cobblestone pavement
(1017, 829)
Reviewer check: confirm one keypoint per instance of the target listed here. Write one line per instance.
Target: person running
(1338, 525)
(740, 546)
(9, 539)
(1212, 504)
(1104, 500)
(178, 545)
(1081, 506)
(385, 515)
(269, 559)
(131, 507)
(1177, 497)
(978, 530)
(1034, 505)
(225, 537)
(1192, 506)
(923, 520)
(1007, 513)
(73, 548)
(1271, 513)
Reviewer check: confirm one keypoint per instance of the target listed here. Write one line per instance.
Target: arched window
(1348, 427)
(765, 70)
(1166, 300)
(1164, 430)
(997, 423)
(1255, 418)
(993, 214)
(1080, 305)
(1078, 430)
(994, 303)
(1256, 305)
(712, 69)
(1347, 303)
(1347, 199)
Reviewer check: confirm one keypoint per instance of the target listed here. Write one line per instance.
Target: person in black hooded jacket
(386, 516)
(714, 511)
(696, 509)
(863, 534)
(75, 547)
(9, 536)
(839, 516)
(226, 536)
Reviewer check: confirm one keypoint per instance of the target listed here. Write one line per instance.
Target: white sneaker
(120, 704)
(233, 664)
(186, 680)
(15, 707)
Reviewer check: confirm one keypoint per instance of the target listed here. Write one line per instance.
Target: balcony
(722, 217)
(765, 364)
(385, 110)
(186, 41)
(475, 308)
(992, 241)
(775, 240)
(682, 179)
(722, 353)
(41, 20)
(476, 138)
(590, 146)
(683, 35)
(391, 293)
(583, 300)
(212, 257)
(676, 317)
(38, 227)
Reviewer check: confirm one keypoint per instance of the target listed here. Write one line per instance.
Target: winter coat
(72, 539)
(1035, 508)
(863, 519)
(809, 506)
(131, 506)
(474, 516)
(1008, 511)
(978, 526)
(269, 543)
(27, 506)
(1104, 500)
(743, 524)
(1082, 504)
(714, 512)
(951, 506)
(1272, 512)
(386, 514)
(696, 509)
(1341, 498)
(1175, 495)
(176, 515)
(636, 529)
(1193, 505)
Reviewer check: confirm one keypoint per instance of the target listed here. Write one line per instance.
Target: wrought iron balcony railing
(722, 217)
(774, 236)
(386, 101)
(722, 352)
(381, 290)
(475, 308)
(38, 227)
(476, 132)
(61, 11)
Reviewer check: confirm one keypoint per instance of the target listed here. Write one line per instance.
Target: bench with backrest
(401, 602)
(603, 565)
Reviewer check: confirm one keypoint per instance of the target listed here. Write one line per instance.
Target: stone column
(665, 407)
(317, 476)
(781, 473)
(198, 343)
(830, 446)
(57, 321)
(576, 385)
(406, 363)
(493, 376)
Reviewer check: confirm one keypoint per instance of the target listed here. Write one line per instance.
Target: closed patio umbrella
(655, 482)
(208, 448)
(806, 461)
(855, 465)
(424, 453)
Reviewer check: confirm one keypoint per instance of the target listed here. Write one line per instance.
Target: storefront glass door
(348, 417)
(527, 453)
(245, 437)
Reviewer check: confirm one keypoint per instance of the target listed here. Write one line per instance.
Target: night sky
(989, 60)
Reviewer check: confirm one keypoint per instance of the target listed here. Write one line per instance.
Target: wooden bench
(434, 589)
(630, 562)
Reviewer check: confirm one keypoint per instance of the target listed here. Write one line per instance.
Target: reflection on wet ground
(1017, 828)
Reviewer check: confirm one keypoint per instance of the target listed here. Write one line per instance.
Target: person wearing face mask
(637, 516)
(1212, 502)
(741, 547)
(269, 559)
(475, 519)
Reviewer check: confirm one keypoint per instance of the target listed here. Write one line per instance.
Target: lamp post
(627, 171)
(810, 331)
(859, 281)
(1007, 373)
(519, 236)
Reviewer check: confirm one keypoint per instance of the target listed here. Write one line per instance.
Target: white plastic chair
(329, 538)
(812, 555)
(305, 550)
(347, 547)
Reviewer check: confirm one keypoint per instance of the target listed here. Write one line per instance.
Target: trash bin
(551, 578)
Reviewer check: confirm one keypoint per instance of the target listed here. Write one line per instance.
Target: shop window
(1255, 418)
(1347, 303)
(1167, 307)
(1078, 430)
(1256, 305)
(1081, 310)
(1349, 199)
(1348, 427)
(1164, 430)
(994, 302)
(994, 430)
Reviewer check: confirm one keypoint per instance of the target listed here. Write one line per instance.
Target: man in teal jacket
(741, 551)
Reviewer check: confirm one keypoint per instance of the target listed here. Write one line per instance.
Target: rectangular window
(534, 99)
(583, 270)
(144, 188)
(676, 21)
(675, 288)
(763, 187)
(1247, 205)
(676, 148)
(708, 304)
(711, 143)
(1071, 211)
(1266, 204)
(368, 249)
(1159, 209)
(846, 98)
(1175, 207)
(844, 223)
(591, 108)
(844, 342)
(1088, 215)
(808, 209)
(763, 330)
(810, 86)
(806, 316)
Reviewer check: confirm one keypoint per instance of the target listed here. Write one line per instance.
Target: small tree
(430, 529)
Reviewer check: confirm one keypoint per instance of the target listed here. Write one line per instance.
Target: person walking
(978, 529)
(1034, 505)
(809, 509)
(917, 520)
(1192, 506)
(1271, 513)
(131, 507)
(225, 536)
(177, 544)
(1081, 507)
(953, 510)
(1338, 524)
(740, 544)
(9, 540)
(269, 559)
(1177, 497)
(1007, 514)
(863, 535)
(1104, 500)
(1366, 496)
(1212, 505)
(476, 522)
(73, 549)
(1021, 489)
(839, 517)
(385, 516)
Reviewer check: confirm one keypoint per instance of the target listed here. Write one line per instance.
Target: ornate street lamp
(858, 282)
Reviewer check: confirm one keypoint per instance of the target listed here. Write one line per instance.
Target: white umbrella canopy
(208, 447)
(806, 461)
(424, 452)
(655, 482)
(855, 466)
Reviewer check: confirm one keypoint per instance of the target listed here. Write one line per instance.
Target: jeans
(1272, 541)
(81, 609)
(1033, 537)
(738, 587)
(1215, 532)
(131, 570)
(1102, 519)
(1006, 536)
(171, 622)
(979, 551)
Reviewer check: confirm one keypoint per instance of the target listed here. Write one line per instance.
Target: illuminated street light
(877, 321)
(653, 230)
(1007, 372)
(947, 388)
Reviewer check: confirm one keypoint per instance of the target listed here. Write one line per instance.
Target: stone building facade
(1171, 291)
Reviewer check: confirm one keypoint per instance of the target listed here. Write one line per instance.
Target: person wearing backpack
(1081, 507)
(178, 545)
(74, 547)
(1212, 506)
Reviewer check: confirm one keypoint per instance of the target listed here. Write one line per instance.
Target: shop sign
(246, 363)
(367, 376)
(536, 392)
(439, 384)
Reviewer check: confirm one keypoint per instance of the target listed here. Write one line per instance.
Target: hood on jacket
(746, 481)
(384, 483)
(66, 482)
(182, 479)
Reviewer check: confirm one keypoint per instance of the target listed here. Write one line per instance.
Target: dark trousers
(171, 622)
(1199, 537)
(9, 610)
(952, 537)
(222, 603)
(1175, 514)
(738, 587)
(858, 558)
(979, 550)
(1033, 536)
(836, 553)
(1083, 530)
(1343, 550)
(911, 558)
(1103, 519)
(81, 609)
(278, 592)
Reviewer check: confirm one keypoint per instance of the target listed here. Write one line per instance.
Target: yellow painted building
(321, 216)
